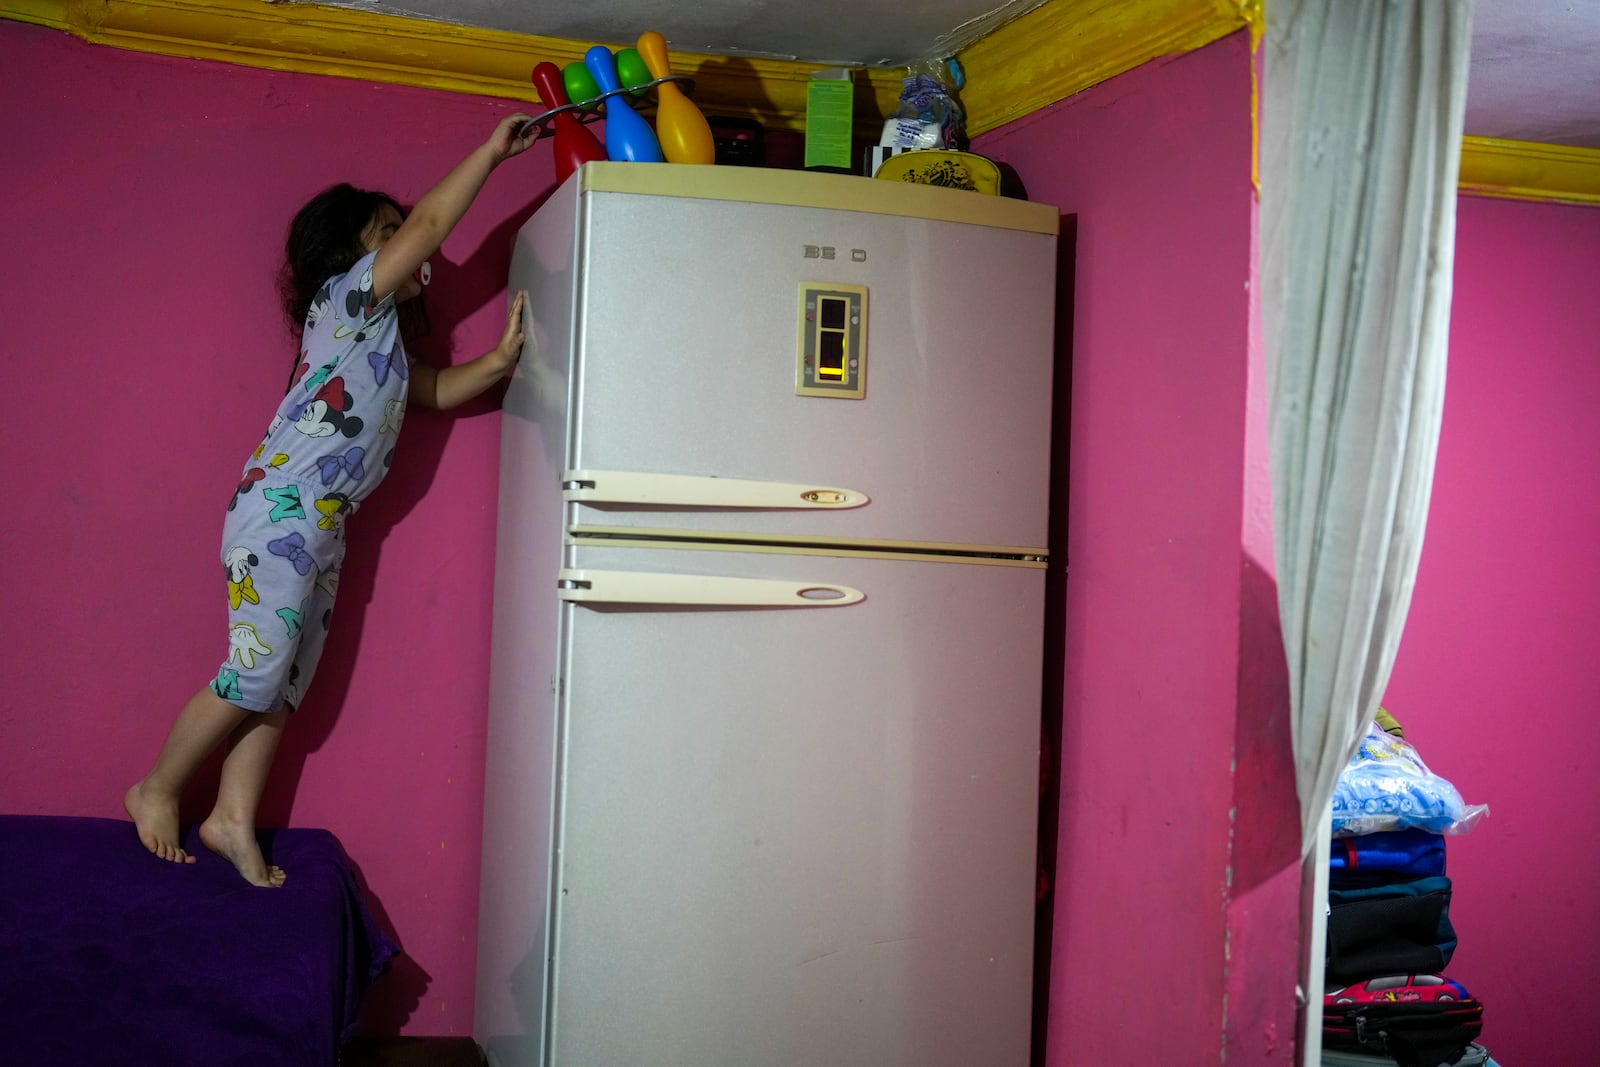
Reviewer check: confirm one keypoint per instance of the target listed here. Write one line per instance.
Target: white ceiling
(827, 32)
(1535, 73)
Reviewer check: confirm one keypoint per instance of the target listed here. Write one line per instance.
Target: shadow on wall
(1264, 895)
(1055, 630)
(395, 994)
(1267, 826)
(458, 291)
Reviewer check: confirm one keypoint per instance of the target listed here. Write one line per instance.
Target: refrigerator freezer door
(799, 837)
(677, 490)
(684, 364)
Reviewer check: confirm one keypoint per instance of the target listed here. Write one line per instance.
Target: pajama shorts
(282, 561)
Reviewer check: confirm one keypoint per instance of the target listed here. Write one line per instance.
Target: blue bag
(1367, 859)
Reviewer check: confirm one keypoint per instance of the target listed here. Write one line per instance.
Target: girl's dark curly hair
(324, 241)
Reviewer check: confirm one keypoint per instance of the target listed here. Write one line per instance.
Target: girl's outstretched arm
(434, 388)
(441, 207)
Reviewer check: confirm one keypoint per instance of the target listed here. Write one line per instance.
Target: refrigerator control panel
(832, 358)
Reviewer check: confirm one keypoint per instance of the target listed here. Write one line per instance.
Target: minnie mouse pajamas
(327, 448)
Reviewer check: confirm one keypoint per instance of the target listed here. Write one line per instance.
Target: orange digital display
(832, 316)
(831, 355)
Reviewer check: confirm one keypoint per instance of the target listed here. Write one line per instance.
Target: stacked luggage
(1387, 1000)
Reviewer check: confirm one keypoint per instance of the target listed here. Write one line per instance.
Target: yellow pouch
(1389, 724)
(938, 166)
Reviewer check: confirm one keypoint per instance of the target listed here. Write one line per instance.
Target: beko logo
(857, 255)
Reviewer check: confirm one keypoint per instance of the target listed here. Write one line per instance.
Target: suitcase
(1475, 1056)
(1417, 1020)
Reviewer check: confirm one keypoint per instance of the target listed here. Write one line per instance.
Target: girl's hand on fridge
(507, 352)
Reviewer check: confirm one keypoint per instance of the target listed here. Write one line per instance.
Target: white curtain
(1360, 146)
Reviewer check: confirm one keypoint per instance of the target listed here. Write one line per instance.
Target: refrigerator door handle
(693, 490)
(698, 590)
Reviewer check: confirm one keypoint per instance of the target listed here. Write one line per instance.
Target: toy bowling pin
(632, 72)
(685, 135)
(575, 145)
(628, 137)
(579, 83)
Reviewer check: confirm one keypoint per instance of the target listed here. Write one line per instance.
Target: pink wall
(1165, 598)
(1160, 901)
(144, 203)
(165, 185)
(1495, 679)
(172, 200)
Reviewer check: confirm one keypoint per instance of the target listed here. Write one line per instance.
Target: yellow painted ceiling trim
(318, 39)
(1052, 52)
(1524, 170)
(1065, 46)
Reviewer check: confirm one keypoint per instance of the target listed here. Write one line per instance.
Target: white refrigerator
(763, 738)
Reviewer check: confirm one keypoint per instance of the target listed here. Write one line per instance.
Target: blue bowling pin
(628, 136)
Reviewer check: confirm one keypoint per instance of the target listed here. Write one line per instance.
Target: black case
(1411, 1034)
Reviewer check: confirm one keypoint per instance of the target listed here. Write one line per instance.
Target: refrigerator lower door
(790, 836)
(520, 757)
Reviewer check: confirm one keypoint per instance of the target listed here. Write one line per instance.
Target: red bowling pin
(575, 145)
(684, 133)
(628, 136)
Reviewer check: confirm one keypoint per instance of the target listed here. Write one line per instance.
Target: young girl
(351, 257)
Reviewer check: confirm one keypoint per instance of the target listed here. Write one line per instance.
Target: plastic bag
(928, 115)
(1386, 786)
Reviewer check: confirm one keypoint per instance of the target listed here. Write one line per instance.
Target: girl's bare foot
(237, 844)
(156, 818)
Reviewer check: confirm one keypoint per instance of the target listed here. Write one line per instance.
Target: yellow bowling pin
(684, 134)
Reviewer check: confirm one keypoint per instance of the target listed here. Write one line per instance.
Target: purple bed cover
(109, 956)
